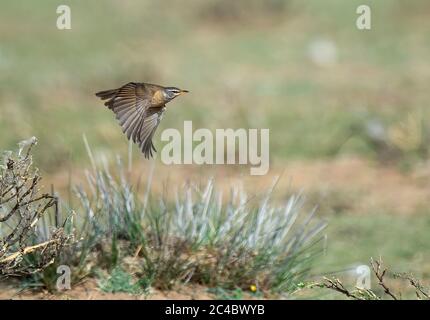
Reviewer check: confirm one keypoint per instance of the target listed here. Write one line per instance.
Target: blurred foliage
(121, 281)
(405, 142)
(247, 64)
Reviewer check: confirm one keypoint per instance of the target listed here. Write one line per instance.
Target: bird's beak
(183, 91)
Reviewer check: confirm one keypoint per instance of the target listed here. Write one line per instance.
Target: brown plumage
(139, 108)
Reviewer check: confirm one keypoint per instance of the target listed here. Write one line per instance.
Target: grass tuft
(230, 242)
(202, 236)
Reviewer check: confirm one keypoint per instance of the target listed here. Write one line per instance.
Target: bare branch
(380, 273)
(420, 290)
(21, 208)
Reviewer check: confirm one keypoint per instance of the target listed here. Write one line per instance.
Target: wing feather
(149, 126)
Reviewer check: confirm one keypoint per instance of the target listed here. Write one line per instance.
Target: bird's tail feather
(107, 94)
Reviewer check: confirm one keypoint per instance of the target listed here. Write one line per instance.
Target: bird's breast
(158, 98)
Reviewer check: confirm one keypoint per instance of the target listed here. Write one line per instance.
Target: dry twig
(22, 208)
(380, 273)
(420, 291)
(368, 294)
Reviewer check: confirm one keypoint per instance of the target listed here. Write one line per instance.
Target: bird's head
(171, 93)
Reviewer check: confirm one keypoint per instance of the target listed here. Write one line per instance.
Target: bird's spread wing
(132, 107)
(149, 124)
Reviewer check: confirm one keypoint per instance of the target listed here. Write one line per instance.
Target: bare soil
(89, 290)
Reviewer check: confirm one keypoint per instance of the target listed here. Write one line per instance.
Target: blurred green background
(326, 90)
(247, 63)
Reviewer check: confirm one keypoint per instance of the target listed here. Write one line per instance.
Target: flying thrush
(139, 108)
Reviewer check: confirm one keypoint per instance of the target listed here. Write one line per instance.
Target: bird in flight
(139, 108)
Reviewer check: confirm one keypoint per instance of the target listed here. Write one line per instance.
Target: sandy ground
(88, 290)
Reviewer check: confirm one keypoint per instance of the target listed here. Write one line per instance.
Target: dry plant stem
(380, 273)
(367, 294)
(419, 288)
(27, 250)
(22, 206)
(336, 285)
